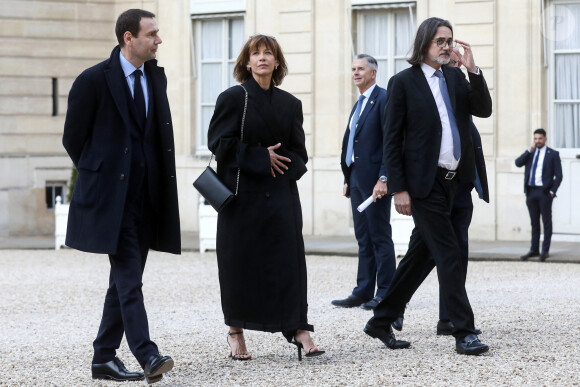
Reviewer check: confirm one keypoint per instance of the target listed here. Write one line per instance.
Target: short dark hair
(425, 34)
(130, 21)
(242, 74)
(540, 131)
(370, 60)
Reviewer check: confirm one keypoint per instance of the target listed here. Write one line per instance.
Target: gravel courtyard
(51, 302)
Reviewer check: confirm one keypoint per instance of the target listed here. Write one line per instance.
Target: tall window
(387, 35)
(218, 43)
(565, 73)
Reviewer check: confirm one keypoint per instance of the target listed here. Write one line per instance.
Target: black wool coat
(260, 249)
(97, 138)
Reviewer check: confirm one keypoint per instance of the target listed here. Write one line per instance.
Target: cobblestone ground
(51, 302)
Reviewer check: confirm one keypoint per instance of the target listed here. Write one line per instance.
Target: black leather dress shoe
(156, 366)
(114, 370)
(386, 336)
(445, 328)
(349, 302)
(544, 255)
(398, 324)
(529, 254)
(372, 304)
(470, 345)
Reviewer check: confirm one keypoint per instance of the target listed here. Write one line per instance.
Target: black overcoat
(260, 249)
(97, 138)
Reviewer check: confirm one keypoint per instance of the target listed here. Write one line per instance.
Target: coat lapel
(264, 109)
(423, 89)
(116, 82)
(368, 107)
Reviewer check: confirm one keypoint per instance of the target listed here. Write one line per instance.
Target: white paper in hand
(363, 206)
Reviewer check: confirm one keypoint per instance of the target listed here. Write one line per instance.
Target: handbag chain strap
(242, 133)
(241, 136)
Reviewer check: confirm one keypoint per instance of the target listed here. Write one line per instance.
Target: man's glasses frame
(442, 42)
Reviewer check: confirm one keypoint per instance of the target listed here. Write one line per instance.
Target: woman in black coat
(260, 250)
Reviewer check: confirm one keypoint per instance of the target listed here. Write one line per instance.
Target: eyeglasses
(441, 42)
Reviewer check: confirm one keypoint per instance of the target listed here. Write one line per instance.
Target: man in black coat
(364, 173)
(542, 177)
(119, 135)
(428, 149)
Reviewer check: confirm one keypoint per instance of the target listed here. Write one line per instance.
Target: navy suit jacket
(551, 171)
(368, 141)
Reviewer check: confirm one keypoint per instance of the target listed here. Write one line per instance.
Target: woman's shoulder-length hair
(241, 73)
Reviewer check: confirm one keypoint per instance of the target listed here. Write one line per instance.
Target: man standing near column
(428, 149)
(542, 177)
(364, 175)
(119, 135)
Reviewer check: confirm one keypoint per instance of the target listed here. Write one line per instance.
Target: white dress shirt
(446, 158)
(539, 167)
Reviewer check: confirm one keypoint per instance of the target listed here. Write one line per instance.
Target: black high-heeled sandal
(309, 354)
(237, 355)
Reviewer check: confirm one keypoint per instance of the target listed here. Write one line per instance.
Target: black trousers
(124, 310)
(433, 244)
(539, 202)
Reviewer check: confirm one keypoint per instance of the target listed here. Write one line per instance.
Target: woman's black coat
(262, 268)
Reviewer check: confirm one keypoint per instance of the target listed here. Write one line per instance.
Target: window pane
(401, 64)
(211, 39)
(567, 124)
(237, 37)
(565, 24)
(382, 34)
(232, 81)
(382, 73)
(211, 74)
(206, 113)
(567, 82)
(403, 33)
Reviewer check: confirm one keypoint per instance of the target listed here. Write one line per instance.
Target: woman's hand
(277, 161)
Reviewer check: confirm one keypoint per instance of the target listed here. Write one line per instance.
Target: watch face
(383, 179)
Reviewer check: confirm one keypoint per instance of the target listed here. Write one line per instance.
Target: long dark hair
(425, 34)
(254, 42)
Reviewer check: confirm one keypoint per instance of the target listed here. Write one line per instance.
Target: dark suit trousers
(376, 252)
(540, 203)
(433, 236)
(460, 219)
(124, 310)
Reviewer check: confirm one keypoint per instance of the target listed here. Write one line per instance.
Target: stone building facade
(527, 49)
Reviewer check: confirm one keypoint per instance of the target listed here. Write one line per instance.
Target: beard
(441, 60)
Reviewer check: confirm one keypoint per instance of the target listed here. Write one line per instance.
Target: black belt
(446, 173)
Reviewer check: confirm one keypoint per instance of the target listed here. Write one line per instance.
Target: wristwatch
(383, 179)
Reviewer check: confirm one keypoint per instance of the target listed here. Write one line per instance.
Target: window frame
(200, 148)
(552, 101)
(391, 58)
(53, 185)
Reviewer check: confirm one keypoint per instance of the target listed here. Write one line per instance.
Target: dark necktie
(534, 167)
(452, 122)
(139, 98)
(353, 124)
